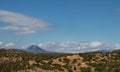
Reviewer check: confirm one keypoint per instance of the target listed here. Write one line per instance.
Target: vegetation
(21, 61)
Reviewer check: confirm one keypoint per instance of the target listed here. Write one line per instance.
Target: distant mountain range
(104, 51)
(37, 49)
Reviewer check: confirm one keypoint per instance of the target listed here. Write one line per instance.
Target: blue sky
(63, 20)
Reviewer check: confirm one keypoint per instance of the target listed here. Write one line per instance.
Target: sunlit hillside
(21, 61)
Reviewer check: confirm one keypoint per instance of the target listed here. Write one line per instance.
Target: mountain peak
(35, 48)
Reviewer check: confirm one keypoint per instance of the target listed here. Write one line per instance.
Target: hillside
(22, 61)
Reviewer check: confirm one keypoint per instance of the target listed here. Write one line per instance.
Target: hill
(22, 61)
(35, 48)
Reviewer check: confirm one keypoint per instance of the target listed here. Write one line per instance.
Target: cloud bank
(7, 45)
(21, 24)
(76, 47)
(66, 47)
(10, 44)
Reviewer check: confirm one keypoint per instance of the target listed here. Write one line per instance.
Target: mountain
(104, 51)
(35, 48)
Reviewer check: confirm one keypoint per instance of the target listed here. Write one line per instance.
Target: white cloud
(76, 47)
(1, 43)
(25, 46)
(18, 29)
(117, 46)
(7, 45)
(95, 44)
(21, 24)
(10, 44)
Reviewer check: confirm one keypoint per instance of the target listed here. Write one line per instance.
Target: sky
(60, 25)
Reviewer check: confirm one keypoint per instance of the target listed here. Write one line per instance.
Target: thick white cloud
(76, 47)
(10, 44)
(21, 24)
